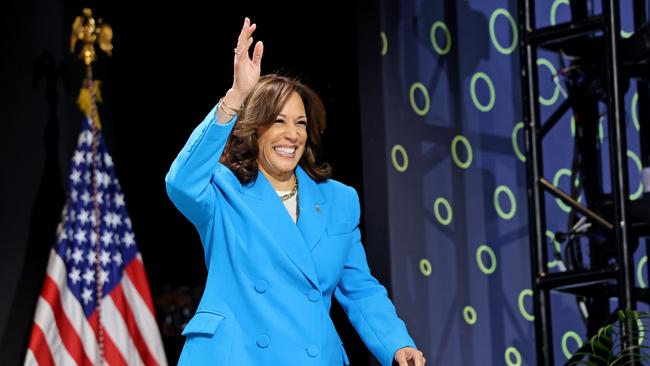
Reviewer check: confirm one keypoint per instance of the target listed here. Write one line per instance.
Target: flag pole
(89, 32)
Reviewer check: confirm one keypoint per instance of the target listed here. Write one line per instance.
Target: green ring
(625, 34)
(384, 43)
(565, 337)
(522, 308)
(469, 314)
(601, 136)
(515, 145)
(472, 91)
(556, 180)
(423, 89)
(514, 352)
(637, 162)
(556, 93)
(436, 211)
(639, 271)
(557, 3)
(634, 106)
(556, 245)
(513, 25)
(479, 260)
(454, 154)
(513, 209)
(405, 157)
(434, 43)
(425, 267)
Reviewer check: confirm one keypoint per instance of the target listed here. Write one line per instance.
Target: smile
(285, 151)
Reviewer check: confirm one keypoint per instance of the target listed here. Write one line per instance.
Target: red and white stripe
(62, 335)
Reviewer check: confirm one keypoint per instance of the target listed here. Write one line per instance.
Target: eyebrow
(302, 116)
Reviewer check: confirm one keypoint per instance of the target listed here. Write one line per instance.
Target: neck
(283, 182)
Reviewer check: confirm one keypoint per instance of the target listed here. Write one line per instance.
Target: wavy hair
(261, 108)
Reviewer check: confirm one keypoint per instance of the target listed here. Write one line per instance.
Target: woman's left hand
(409, 356)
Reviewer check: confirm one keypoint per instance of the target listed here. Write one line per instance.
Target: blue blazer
(270, 281)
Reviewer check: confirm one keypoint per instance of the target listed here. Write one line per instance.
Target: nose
(291, 132)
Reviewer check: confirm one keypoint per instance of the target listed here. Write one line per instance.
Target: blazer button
(313, 351)
(313, 295)
(263, 341)
(261, 286)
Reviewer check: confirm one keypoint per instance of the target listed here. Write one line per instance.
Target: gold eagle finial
(85, 29)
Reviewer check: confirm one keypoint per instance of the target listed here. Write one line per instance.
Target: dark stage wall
(171, 64)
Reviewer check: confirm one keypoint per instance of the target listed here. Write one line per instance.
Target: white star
(117, 219)
(91, 257)
(117, 258)
(78, 157)
(87, 178)
(108, 160)
(87, 295)
(75, 176)
(75, 275)
(85, 197)
(128, 239)
(83, 216)
(119, 200)
(89, 157)
(105, 179)
(62, 236)
(93, 237)
(73, 195)
(107, 238)
(105, 258)
(103, 277)
(127, 221)
(80, 236)
(99, 198)
(78, 255)
(68, 253)
(108, 219)
(89, 276)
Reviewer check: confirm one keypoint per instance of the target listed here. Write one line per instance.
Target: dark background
(171, 63)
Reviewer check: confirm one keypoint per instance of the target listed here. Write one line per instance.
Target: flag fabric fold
(95, 306)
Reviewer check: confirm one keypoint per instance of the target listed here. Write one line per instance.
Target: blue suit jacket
(270, 281)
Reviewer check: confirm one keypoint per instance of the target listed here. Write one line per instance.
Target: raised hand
(409, 356)
(247, 70)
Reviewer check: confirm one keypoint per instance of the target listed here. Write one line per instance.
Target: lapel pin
(318, 208)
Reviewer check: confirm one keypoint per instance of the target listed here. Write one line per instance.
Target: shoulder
(334, 189)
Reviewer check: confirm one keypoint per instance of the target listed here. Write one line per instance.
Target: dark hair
(262, 106)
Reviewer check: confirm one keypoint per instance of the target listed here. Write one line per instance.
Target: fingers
(257, 53)
(400, 357)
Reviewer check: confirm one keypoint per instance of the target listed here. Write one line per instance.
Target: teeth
(285, 150)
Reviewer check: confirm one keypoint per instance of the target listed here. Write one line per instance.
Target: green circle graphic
(425, 267)
(513, 352)
(639, 271)
(454, 154)
(436, 211)
(635, 106)
(419, 86)
(384, 43)
(513, 203)
(637, 162)
(556, 93)
(554, 7)
(472, 91)
(556, 247)
(405, 158)
(600, 128)
(522, 308)
(469, 314)
(556, 180)
(479, 259)
(625, 34)
(515, 145)
(440, 50)
(515, 36)
(565, 338)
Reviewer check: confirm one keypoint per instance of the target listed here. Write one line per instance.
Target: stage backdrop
(445, 180)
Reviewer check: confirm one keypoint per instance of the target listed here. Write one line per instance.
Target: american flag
(95, 307)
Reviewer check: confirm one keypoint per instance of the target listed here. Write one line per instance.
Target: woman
(279, 236)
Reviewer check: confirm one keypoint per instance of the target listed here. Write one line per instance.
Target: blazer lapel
(265, 203)
(314, 210)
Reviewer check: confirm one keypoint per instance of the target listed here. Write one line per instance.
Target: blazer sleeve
(366, 302)
(188, 180)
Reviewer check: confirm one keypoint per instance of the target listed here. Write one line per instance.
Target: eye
(302, 123)
(279, 120)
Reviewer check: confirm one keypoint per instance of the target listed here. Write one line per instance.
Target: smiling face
(282, 143)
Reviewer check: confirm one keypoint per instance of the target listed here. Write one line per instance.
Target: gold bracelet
(229, 107)
(226, 112)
